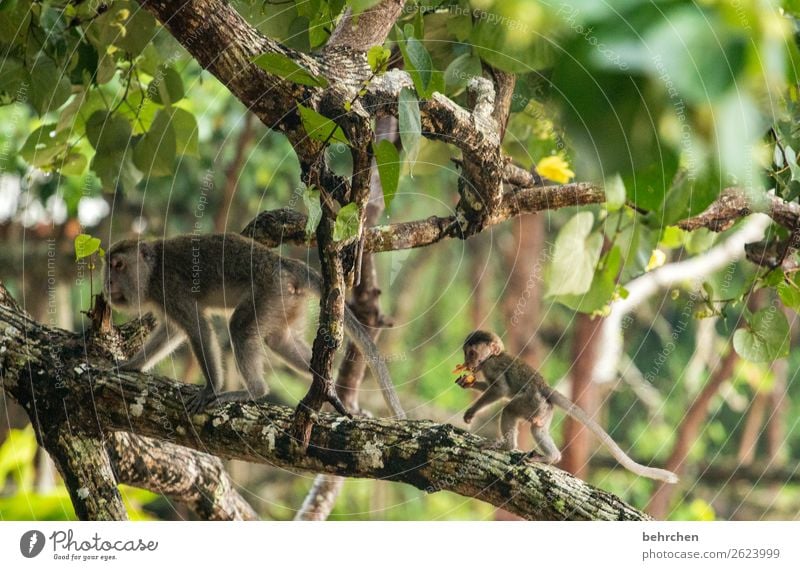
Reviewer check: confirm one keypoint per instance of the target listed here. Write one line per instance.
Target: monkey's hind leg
(508, 428)
(248, 350)
(540, 430)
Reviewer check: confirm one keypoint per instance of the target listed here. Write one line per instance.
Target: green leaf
(166, 87)
(154, 154)
(359, 6)
(107, 133)
(43, 145)
(409, 124)
(791, 160)
(15, 23)
(419, 66)
(347, 220)
(14, 78)
(50, 87)
(577, 251)
(460, 71)
(74, 164)
(286, 68)
(139, 27)
(789, 293)
(388, 160)
(311, 200)
(319, 127)
(115, 170)
(86, 245)
(185, 126)
(298, 36)
(604, 285)
(378, 59)
(765, 336)
(615, 193)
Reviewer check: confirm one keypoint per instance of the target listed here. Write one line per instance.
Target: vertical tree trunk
(578, 440)
(522, 302)
(233, 171)
(752, 428)
(688, 432)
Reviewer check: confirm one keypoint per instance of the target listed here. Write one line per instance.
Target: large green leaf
(107, 132)
(346, 225)
(577, 251)
(166, 87)
(14, 78)
(285, 67)
(154, 153)
(388, 161)
(50, 86)
(419, 65)
(44, 145)
(604, 285)
(460, 71)
(765, 336)
(321, 128)
(185, 126)
(115, 170)
(311, 198)
(409, 124)
(139, 26)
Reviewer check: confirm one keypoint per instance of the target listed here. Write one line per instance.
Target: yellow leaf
(555, 168)
(657, 259)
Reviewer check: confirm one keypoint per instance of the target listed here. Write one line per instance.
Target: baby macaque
(530, 399)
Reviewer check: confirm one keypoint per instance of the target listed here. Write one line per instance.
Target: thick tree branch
(274, 227)
(86, 469)
(368, 28)
(49, 366)
(195, 479)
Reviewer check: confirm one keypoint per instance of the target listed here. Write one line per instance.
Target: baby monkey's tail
(576, 412)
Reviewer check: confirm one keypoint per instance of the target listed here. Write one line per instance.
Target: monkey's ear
(146, 251)
(496, 348)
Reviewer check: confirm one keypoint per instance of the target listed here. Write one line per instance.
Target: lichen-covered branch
(274, 227)
(57, 370)
(733, 204)
(195, 479)
(367, 29)
(84, 465)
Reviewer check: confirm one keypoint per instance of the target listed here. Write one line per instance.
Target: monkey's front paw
(468, 417)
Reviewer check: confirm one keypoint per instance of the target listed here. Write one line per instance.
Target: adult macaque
(530, 399)
(183, 279)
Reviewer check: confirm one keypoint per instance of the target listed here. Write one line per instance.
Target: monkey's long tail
(576, 412)
(371, 354)
(375, 361)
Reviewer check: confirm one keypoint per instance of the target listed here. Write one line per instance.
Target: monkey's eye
(117, 264)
